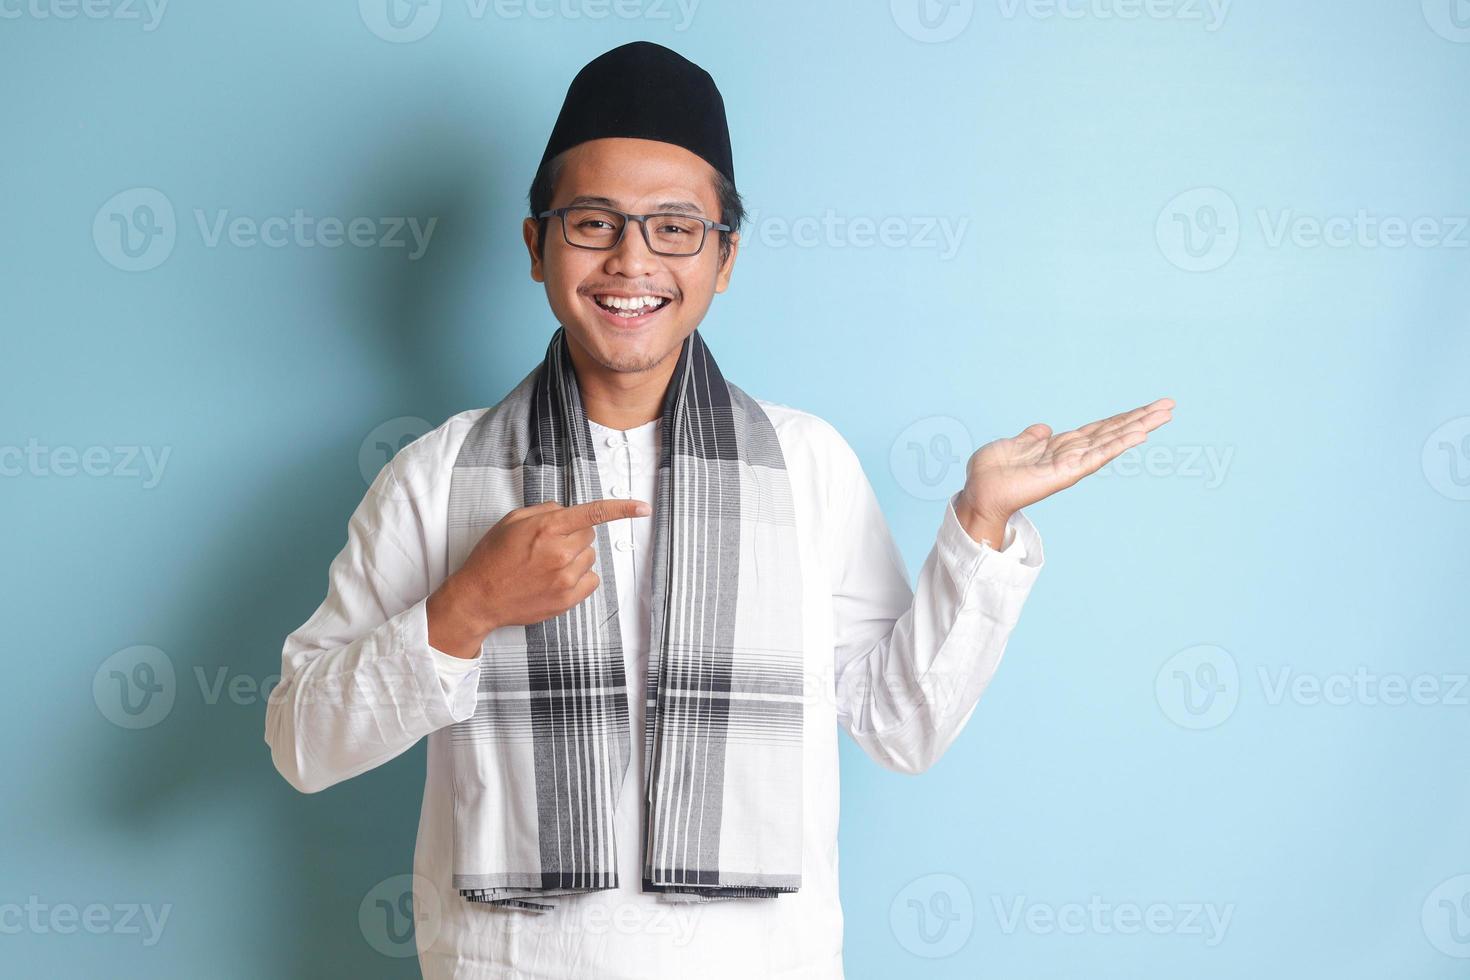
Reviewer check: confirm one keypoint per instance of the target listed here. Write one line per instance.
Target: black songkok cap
(645, 91)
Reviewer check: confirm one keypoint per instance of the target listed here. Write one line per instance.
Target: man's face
(636, 176)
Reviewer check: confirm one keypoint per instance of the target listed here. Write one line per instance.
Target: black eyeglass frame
(642, 225)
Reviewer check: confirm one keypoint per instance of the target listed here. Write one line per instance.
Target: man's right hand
(534, 563)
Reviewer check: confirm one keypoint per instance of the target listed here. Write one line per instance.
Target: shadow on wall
(264, 572)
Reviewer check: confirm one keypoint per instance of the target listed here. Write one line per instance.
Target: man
(632, 694)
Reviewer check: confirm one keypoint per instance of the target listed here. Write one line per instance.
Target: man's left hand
(1008, 474)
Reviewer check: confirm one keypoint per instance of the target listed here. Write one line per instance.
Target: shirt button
(623, 544)
(619, 490)
(617, 440)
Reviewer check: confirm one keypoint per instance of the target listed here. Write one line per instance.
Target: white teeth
(634, 303)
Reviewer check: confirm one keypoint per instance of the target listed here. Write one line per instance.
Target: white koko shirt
(900, 668)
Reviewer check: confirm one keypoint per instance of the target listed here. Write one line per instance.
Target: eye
(585, 223)
(678, 229)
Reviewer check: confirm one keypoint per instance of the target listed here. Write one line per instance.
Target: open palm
(1008, 474)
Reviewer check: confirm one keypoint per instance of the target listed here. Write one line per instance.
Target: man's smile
(629, 309)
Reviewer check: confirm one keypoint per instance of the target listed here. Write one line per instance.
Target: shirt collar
(640, 433)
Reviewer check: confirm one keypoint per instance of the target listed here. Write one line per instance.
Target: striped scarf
(538, 768)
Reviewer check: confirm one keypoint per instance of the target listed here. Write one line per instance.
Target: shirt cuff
(448, 692)
(452, 666)
(453, 670)
(1016, 563)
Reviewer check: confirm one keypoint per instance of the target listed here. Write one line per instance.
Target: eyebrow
(684, 207)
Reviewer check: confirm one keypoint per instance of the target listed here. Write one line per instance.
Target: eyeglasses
(665, 233)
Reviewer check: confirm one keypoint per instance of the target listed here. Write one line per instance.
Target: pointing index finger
(596, 512)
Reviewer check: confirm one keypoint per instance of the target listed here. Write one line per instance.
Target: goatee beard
(627, 363)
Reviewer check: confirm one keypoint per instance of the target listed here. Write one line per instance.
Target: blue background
(1331, 376)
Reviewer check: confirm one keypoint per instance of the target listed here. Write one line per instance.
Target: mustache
(666, 291)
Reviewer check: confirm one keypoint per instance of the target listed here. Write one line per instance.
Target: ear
(722, 279)
(530, 229)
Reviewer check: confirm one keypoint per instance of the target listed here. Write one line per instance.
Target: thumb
(1039, 430)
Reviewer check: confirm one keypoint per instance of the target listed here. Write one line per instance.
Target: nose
(632, 256)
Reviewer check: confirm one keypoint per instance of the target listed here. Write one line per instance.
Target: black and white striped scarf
(538, 769)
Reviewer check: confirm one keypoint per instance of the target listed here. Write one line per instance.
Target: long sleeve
(360, 683)
(911, 664)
